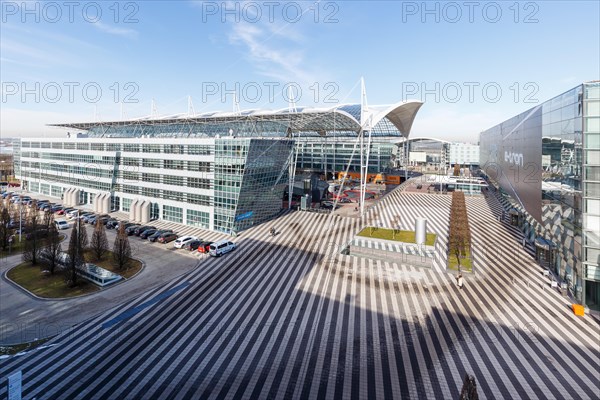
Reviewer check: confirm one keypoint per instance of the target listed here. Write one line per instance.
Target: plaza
(290, 317)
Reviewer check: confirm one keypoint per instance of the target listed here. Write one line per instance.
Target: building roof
(388, 120)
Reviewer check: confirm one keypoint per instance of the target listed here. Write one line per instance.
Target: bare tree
(77, 245)
(121, 250)
(33, 242)
(99, 243)
(52, 250)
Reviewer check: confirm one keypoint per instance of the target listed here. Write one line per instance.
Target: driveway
(24, 318)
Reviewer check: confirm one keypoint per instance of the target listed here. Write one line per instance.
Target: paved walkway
(289, 317)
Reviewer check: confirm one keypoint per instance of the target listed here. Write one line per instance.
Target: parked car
(92, 219)
(46, 206)
(64, 211)
(154, 237)
(139, 230)
(40, 233)
(86, 217)
(167, 237)
(329, 205)
(73, 213)
(61, 224)
(192, 245)
(204, 247)
(125, 224)
(222, 247)
(56, 208)
(147, 233)
(111, 224)
(182, 241)
(131, 229)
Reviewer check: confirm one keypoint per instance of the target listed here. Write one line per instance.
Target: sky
(474, 64)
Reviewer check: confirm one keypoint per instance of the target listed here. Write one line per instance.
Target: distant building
(466, 154)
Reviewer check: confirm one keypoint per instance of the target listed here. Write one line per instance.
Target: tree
(456, 170)
(52, 250)
(33, 243)
(5, 232)
(121, 250)
(99, 243)
(77, 245)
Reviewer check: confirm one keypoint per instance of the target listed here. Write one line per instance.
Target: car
(92, 219)
(56, 208)
(125, 224)
(61, 224)
(217, 249)
(39, 234)
(167, 237)
(86, 217)
(182, 241)
(139, 230)
(147, 233)
(154, 237)
(111, 224)
(129, 230)
(344, 200)
(64, 211)
(46, 206)
(192, 245)
(73, 213)
(204, 247)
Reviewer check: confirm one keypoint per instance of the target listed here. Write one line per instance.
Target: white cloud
(113, 30)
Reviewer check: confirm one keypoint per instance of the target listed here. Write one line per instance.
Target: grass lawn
(51, 286)
(465, 263)
(134, 267)
(395, 234)
(17, 348)
(54, 286)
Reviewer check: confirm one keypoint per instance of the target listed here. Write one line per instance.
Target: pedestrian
(459, 281)
(523, 242)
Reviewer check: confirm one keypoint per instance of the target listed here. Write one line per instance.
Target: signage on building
(513, 158)
(244, 216)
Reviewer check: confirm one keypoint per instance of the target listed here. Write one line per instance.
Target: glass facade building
(219, 171)
(546, 163)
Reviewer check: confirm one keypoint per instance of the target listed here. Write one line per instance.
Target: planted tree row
(459, 240)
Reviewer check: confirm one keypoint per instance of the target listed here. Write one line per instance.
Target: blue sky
(474, 66)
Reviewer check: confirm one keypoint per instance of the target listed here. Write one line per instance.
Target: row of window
(193, 149)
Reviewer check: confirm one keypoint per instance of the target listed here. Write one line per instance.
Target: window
(173, 148)
(199, 183)
(126, 205)
(154, 178)
(199, 166)
(113, 147)
(57, 145)
(83, 146)
(174, 164)
(132, 147)
(151, 148)
(98, 146)
(199, 199)
(200, 150)
(131, 161)
(171, 195)
(198, 218)
(173, 214)
(173, 180)
(151, 163)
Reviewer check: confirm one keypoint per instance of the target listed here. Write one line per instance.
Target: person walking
(459, 281)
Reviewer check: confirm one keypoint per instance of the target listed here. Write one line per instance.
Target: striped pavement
(289, 317)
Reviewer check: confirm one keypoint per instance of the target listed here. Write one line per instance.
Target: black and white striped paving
(288, 317)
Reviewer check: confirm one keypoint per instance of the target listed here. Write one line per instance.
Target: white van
(217, 249)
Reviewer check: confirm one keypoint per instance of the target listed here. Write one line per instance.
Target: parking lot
(24, 318)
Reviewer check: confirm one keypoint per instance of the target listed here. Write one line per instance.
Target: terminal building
(546, 163)
(222, 171)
